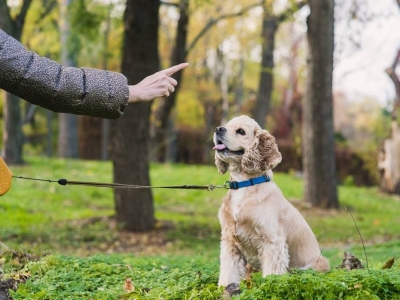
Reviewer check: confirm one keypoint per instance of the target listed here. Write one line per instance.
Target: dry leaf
(388, 264)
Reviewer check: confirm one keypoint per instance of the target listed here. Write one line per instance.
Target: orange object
(5, 177)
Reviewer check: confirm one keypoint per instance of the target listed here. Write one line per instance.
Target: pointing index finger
(174, 69)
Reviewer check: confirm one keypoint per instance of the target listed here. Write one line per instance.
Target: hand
(159, 84)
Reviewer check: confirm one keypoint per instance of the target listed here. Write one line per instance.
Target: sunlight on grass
(75, 220)
(42, 214)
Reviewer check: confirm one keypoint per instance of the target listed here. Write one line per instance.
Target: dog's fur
(259, 226)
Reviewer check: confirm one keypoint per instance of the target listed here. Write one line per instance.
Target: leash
(6, 175)
(64, 181)
(234, 185)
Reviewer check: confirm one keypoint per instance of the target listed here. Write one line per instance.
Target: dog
(259, 227)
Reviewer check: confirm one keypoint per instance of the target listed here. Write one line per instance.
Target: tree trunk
(389, 156)
(49, 139)
(318, 136)
(391, 71)
(12, 127)
(68, 123)
(389, 162)
(164, 125)
(105, 124)
(93, 133)
(12, 130)
(269, 27)
(222, 80)
(90, 137)
(134, 207)
(239, 88)
(67, 135)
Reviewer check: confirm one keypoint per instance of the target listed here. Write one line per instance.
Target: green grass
(180, 277)
(73, 222)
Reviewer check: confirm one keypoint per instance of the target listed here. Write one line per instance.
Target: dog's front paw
(232, 289)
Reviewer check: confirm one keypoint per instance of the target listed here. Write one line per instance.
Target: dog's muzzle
(219, 134)
(220, 143)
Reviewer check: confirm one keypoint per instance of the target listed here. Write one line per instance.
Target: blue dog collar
(234, 185)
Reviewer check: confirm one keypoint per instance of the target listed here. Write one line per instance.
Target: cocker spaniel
(259, 226)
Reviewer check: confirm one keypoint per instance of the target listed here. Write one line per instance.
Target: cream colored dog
(259, 226)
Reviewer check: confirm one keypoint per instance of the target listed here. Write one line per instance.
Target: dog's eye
(240, 131)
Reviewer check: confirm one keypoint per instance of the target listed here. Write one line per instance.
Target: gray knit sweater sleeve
(44, 82)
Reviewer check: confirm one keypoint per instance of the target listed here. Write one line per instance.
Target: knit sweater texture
(42, 81)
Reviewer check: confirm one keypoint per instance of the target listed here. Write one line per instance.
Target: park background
(334, 116)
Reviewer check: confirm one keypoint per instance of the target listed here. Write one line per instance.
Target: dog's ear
(221, 165)
(262, 154)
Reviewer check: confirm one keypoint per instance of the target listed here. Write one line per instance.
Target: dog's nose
(220, 129)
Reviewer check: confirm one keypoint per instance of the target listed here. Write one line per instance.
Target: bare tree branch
(391, 71)
(213, 21)
(5, 17)
(396, 60)
(20, 19)
(282, 17)
(175, 4)
(48, 7)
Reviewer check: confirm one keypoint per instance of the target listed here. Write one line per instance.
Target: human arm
(83, 91)
(44, 82)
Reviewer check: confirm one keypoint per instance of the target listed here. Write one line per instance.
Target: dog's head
(243, 143)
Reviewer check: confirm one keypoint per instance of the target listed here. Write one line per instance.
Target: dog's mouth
(220, 147)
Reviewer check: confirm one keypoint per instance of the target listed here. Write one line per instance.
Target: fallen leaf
(388, 264)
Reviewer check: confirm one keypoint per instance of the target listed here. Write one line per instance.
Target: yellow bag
(5, 177)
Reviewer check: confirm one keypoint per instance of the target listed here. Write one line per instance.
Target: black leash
(64, 181)
(234, 185)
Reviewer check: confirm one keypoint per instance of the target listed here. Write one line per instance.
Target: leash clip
(227, 185)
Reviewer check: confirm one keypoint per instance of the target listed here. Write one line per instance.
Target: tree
(270, 25)
(93, 133)
(68, 123)
(134, 207)
(79, 24)
(318, 136)
(162, 114)
(265, 86)
(389, 155)
(12, 130)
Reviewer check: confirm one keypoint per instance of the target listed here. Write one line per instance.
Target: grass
(75, 224)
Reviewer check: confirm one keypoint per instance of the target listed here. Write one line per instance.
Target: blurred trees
(12, 20)
(318, 136)
(265, 85)
(163, 126)
(270, 24)
(243, 59)
(80, 22)
(68, 123)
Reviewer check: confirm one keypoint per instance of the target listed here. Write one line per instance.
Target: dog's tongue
(219, 147)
